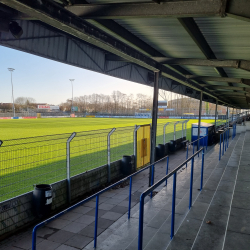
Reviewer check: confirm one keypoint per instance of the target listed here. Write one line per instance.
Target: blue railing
(224, 141)
(130, 178)
(198, 148)
(234, 130)
(157, 184)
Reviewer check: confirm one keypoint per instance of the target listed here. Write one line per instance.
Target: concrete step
(123, 233)
(204, 225)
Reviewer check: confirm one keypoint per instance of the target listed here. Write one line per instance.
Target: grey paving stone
(241, 200)
(74, 227)
(86, 219)
(101, 212)
(218, 215)
(48, 245)
(119, 209)
(61, 236)
(103, 223)
(65, 247)
(71, 216)
(89, 231)
(125, 204)
(242, 186)
(159, 219)
(82, 210)
(105, 206)
(209, 237)
(78, 241)
(226, 186)
(185, 236)
(91, 203)
(236, 241)
(222, 198)
(111, 216)
(198, 210)
(58, 223)
(25, 242)
(9, 248)
(239, 220)
(113, 201)
(148, 232)
(45, 232)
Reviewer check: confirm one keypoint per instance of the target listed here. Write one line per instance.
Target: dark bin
(126, 165)
(166, 149)
(42, 200)
(160, 151)
(172, 145)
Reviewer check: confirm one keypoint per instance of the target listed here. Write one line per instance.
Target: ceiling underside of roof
(212, 43)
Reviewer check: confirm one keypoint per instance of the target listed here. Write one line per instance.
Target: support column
(154, 120)
(199, 122)
(216, 107)
(227, 117)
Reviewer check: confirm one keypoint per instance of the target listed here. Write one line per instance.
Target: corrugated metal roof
(165, 35)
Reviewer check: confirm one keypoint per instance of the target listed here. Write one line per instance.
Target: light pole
(72, 80)
(11, 70)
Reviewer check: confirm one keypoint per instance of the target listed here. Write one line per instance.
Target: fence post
(68, 165)
(202, 169)
(191, 183)
(135, 145)
(186, 128)
(164, 133)
(182, 126)
(175, 129)
(109, 160)
(173, 206)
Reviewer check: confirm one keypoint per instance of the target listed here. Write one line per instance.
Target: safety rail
(198, 144)
(224, 142)
(96, 195)
(157, 184)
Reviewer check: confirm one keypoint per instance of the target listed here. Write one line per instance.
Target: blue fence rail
(157, 184)
(204, 143)
(224, 142)
(130, 178)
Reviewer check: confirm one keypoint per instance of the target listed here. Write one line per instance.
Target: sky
(47, 81)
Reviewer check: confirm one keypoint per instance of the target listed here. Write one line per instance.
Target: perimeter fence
(44, 159)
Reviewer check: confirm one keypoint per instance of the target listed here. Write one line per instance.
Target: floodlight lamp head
(15, 29)
(11, 69)
(72, 80)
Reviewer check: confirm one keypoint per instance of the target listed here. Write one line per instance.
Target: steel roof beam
(193, 30)
(56, 16)
(219, 87)
(239, 9)
(237, 64)
(178, 9)
(219, 79)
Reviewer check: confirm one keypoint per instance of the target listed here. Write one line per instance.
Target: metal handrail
(157, 184)
(97, 203)
(225, 141)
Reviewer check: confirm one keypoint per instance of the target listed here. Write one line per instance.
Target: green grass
(34, 151)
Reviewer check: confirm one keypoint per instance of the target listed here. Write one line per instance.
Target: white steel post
(68, 165)
(164, 133)
(109, 160)
(175, 129)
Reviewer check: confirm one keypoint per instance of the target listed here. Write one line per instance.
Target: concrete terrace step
(123, 233)
(204, 225)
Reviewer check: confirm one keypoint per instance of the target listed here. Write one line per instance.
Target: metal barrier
(193, 142)
(224, 142)
(130, 178)
(157, 184)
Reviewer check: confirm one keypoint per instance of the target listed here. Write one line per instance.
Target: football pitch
(34, 151)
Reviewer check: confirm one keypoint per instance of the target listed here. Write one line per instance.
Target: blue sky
(48, 81)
